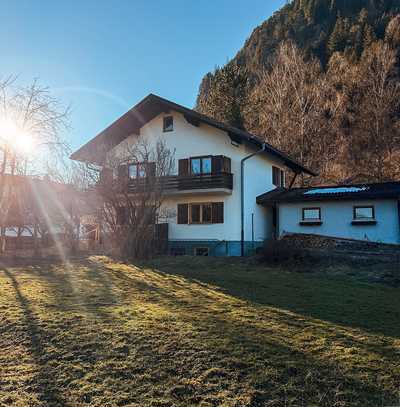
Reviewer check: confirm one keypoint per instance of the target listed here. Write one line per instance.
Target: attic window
(168, 123)
(278, 177)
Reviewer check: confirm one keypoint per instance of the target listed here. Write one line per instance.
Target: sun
(15, 138)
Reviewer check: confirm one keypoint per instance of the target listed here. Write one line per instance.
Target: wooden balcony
(222, 182)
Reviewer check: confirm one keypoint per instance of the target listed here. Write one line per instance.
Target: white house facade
(227, 191)
(205, 216)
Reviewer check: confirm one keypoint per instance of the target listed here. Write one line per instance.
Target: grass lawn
(195, 331)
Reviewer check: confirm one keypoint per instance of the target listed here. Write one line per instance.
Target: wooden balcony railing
(186, 183)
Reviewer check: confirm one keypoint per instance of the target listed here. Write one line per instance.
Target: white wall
(336, 219)
(187, 141)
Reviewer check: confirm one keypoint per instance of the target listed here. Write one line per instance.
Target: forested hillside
(320, 79)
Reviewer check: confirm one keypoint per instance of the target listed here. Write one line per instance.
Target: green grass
(195, 331)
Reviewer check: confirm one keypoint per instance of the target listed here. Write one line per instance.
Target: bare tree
(130, 196)
(31, 126)
(375, 137)
(292, 103)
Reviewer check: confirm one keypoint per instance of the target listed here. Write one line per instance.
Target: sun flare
(17, 139)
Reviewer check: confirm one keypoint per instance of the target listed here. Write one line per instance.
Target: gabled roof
(381, 190)
(151, 106)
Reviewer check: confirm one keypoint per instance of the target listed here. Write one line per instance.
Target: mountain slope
(333, 34)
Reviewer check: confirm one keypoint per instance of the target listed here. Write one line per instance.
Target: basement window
(168, 123)
(201, 251)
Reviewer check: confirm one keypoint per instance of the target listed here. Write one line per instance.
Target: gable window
(278, 177)
(201, 165)
(311, 217)
(363, 215)
(168, 123)
(201, 213)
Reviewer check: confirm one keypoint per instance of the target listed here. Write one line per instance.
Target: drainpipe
(242, 196)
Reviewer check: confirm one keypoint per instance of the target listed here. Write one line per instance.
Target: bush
(280, 251)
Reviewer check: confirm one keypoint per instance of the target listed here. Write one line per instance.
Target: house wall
(189, 141)
(336, 219)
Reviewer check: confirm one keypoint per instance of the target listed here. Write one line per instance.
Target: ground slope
(182, 332)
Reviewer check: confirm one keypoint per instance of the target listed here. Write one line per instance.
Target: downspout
(242, 196)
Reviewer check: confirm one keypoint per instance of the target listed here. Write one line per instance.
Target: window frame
(141, 167)
(304, 219)
(195, 249)
(281, 177)
(165, 129)
(216, 216)
(364, 221)
(201, 158)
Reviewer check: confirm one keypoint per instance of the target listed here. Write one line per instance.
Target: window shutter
(121, 215)
(218, 212)
(183, 214)
(183, 167)
(106, 176)
(216, 164)
(282, 174)
(226, 165)
(122, 172)
(150, 169)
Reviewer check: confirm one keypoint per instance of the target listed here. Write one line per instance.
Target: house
(369, 212)
(219, 172)
(228, 191)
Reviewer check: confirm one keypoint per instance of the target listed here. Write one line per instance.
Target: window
(195, 213)
(201, 213)
(311, 214)
(201, 251)
(201, 165)
(364, 213)
(141, 170)
(278, 177)
(168, 123)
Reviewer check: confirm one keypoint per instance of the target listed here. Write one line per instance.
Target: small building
(369, 212)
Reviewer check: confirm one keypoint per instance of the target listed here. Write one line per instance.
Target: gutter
(243, 160)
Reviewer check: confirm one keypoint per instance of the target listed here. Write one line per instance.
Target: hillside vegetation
(320, 80)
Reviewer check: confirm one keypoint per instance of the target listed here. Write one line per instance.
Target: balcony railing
(186, 183)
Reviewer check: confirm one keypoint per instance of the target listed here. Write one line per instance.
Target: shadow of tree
(45, 379)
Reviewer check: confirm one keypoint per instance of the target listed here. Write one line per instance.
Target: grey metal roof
(328, 193)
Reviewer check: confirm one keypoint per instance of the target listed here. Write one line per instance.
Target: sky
(102, 57)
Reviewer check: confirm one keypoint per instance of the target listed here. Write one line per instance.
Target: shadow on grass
(291, 344)
(371, 307)
(44, 380)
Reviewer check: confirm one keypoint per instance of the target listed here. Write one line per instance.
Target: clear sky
(102, 57)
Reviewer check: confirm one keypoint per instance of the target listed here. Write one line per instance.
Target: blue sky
(102, 57)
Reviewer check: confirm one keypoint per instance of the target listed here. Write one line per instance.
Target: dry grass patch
(190, 331)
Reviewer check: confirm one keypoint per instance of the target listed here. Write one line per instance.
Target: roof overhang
(151, 106)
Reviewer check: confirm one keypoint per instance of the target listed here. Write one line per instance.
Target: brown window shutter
(218, 212)
(151, 169)
(183, 167)
(122, 172)
(216, 164)
(183, 214)
(106, 176)
(227, 165)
